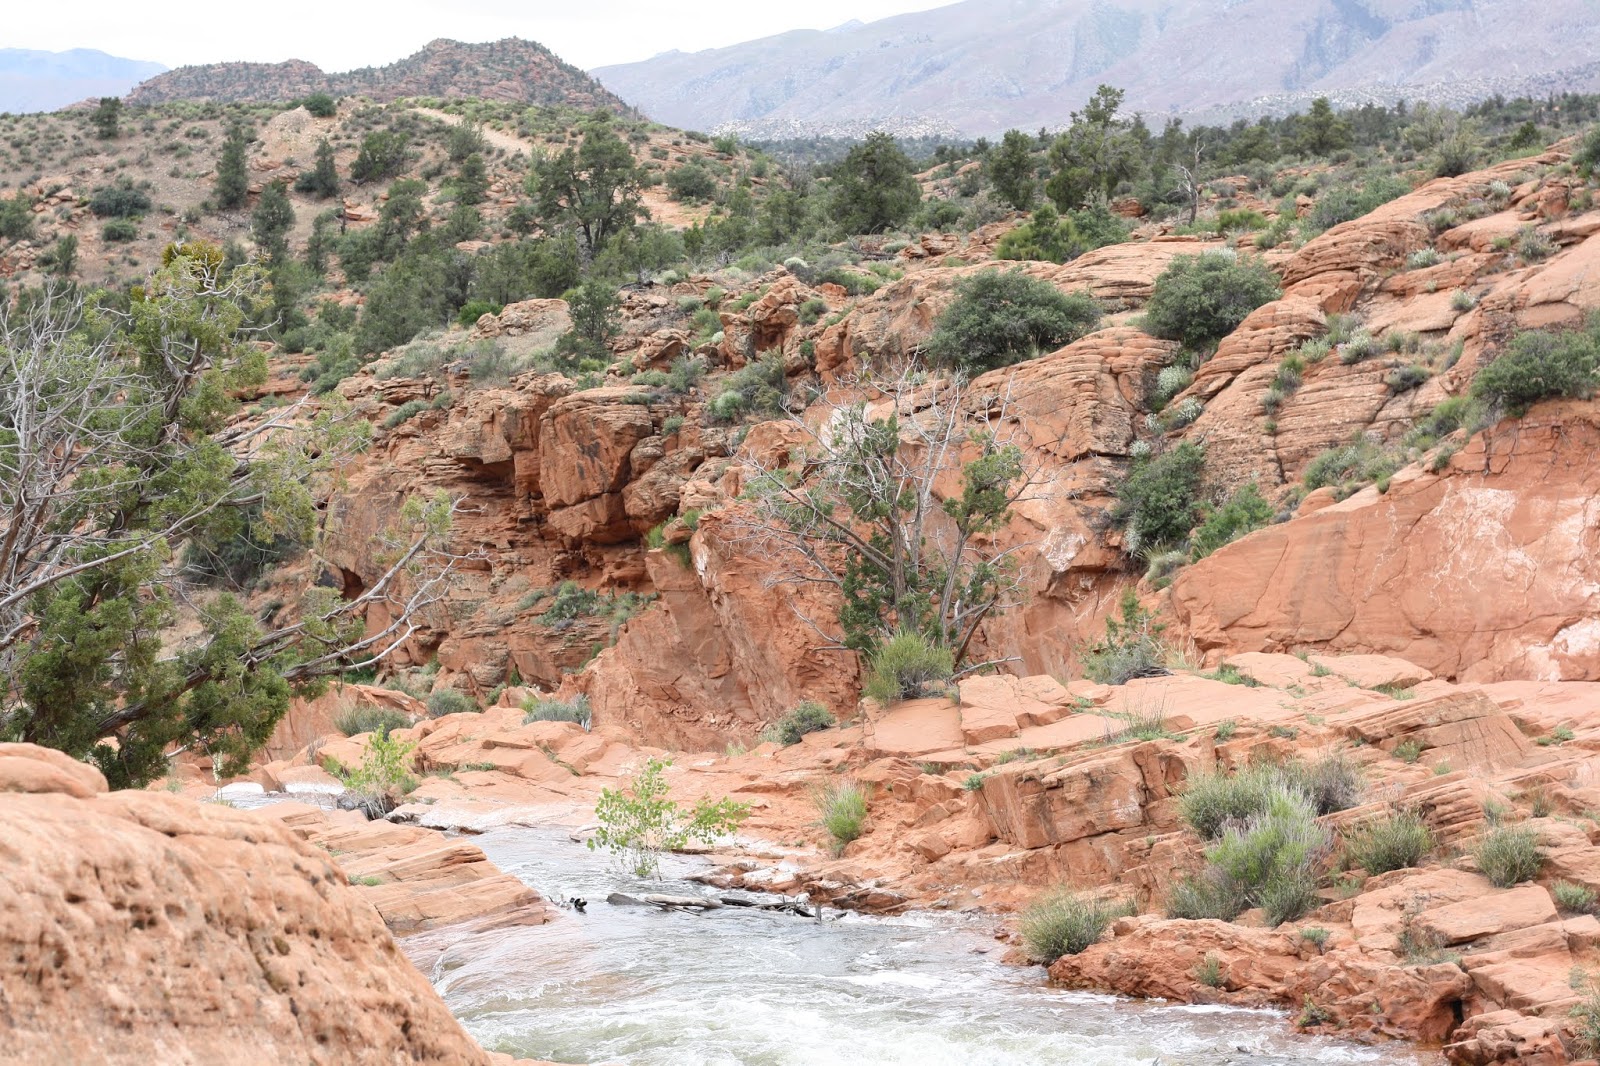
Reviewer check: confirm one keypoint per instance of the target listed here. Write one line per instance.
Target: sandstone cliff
(143, 927)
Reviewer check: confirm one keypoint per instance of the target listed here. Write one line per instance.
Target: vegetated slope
(511, 69)
(43, 81)
(978, 67)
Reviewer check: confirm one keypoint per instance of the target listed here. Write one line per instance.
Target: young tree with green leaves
(118, 451)
(233, 184)
(874, 188)
(595, 189)
(864, 508)
(641, 820)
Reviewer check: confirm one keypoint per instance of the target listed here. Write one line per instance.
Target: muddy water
(650, 988)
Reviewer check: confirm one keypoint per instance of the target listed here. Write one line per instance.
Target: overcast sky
(341, 36)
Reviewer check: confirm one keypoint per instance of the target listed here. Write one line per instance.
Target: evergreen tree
(1097, 153)
(131, 425)
(107, 118)
(1011, 171)
(875, 187)
(233, 184)
(1322, 131)
(472, 181)
(272, 220)
(322, 180)
(596, 188)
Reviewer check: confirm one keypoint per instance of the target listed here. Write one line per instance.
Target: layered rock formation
(142, 927)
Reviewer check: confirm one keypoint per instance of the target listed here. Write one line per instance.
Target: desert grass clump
(842, 806)
(1395, 842)
(904, 665)
(1066, 923)
(545, 709)
(1508, 855)
(1332, 783)
(450, 701)
(360, 720)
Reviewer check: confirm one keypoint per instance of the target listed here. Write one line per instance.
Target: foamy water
(740, 988)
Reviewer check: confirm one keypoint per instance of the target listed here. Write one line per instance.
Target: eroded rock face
(142, 927)
(1448, 571)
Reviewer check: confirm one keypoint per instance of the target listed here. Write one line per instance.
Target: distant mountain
(511, 69)
(48, 81)
(983, 66)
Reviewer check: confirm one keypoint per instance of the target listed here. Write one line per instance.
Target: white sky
(341, 36)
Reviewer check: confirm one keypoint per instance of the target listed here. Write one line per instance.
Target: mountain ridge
(508, 69)
(981, 66)
(36, 80)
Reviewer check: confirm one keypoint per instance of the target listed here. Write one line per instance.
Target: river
(736, 988)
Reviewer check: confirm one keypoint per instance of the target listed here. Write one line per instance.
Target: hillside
(44, 81)
(1291, 464)
(979, 67)
(511, 69)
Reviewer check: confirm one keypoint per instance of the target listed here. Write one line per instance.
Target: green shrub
(1538, 364)
(1205, 895)
(1065, 923)
(691, 182)
(1358, 463)
(1239, 218)
(359, 720)
(761, 387)
(404, 413)
(120, 230)
(842, 806)
(808, 716)
(640, 821)
(1574, 899)
(473, 310)
(450, 701)
(120, 200)
(1159, 501)
(1408, 751)
(1508, 855)
(1341, 203)
(1587, 157)
(904, 665)
(1394, 842)
(1212, 801)
(1199, 299)
(1209, 971)
(1003, 317)
(1245, 512)
(1131, 648)
(1052, 237)
(383, 776)
(1275, 858)
(547, 709)
(321, 105)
